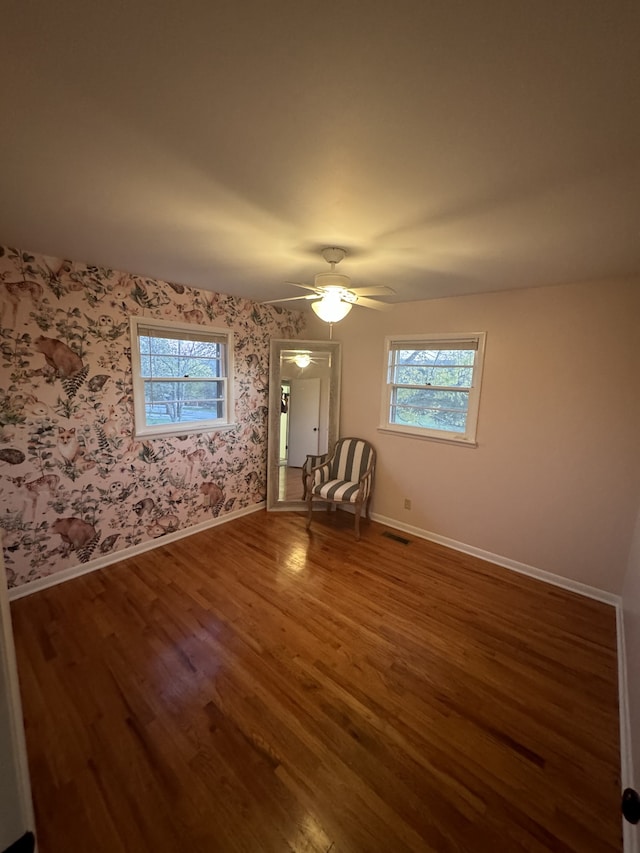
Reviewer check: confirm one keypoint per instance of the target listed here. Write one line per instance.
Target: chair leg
(358, 511)
(310, 501)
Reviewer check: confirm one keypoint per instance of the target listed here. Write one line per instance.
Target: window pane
(432, 367)
(428, 419)
(180, 366)
(432, 399)
(433, 356)
(430, 409)
(172, 356)
(435, 375)
(179, 402)
(172, 345)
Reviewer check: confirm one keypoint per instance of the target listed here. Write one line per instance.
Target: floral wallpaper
(75, 484)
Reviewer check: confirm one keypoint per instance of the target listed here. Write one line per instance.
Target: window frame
(141, 428)
(468, 438)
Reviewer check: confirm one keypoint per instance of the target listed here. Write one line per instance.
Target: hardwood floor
(259, 688)
(290, 486)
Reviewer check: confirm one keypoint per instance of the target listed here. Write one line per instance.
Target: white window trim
(141, 430)
(468, 438)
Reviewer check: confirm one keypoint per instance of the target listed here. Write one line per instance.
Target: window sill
(186, 430)
(441, 439)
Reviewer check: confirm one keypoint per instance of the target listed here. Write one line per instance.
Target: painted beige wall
(555, 479)
(631, 606)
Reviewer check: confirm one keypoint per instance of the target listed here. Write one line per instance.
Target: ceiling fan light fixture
(331, 308)
(302, 360)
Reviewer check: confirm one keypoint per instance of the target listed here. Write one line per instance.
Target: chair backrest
(352, 457)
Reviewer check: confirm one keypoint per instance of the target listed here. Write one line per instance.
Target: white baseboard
(505, 562)
(100, 563)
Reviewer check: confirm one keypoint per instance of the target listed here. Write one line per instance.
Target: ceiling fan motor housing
(332, 279)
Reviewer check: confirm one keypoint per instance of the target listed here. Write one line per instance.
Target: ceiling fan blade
(300, 284)
(288, 299)
(374, 290)
(372, 303)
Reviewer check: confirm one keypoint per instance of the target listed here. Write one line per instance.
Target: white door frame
(13, 749)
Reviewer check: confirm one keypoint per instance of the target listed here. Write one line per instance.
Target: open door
(304, 420)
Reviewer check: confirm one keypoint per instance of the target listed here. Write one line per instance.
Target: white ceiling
(451, 147)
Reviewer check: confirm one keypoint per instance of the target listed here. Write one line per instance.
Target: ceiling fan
(332, 294)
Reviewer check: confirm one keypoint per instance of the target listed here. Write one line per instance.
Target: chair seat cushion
(337, 490)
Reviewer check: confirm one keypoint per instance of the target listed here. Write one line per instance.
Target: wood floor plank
(258, 687)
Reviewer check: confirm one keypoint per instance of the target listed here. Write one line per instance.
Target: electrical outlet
(407, 503)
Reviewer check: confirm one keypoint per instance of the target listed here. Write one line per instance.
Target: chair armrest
(312, 461)
(312, 465)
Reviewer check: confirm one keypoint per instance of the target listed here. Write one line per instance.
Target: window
(432, 386)
(182, 377)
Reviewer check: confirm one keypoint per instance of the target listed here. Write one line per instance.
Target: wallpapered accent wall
(74, 483)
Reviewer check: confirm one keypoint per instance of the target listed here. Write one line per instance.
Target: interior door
(304, 420)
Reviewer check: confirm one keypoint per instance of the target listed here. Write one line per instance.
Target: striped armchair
(346, 477)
